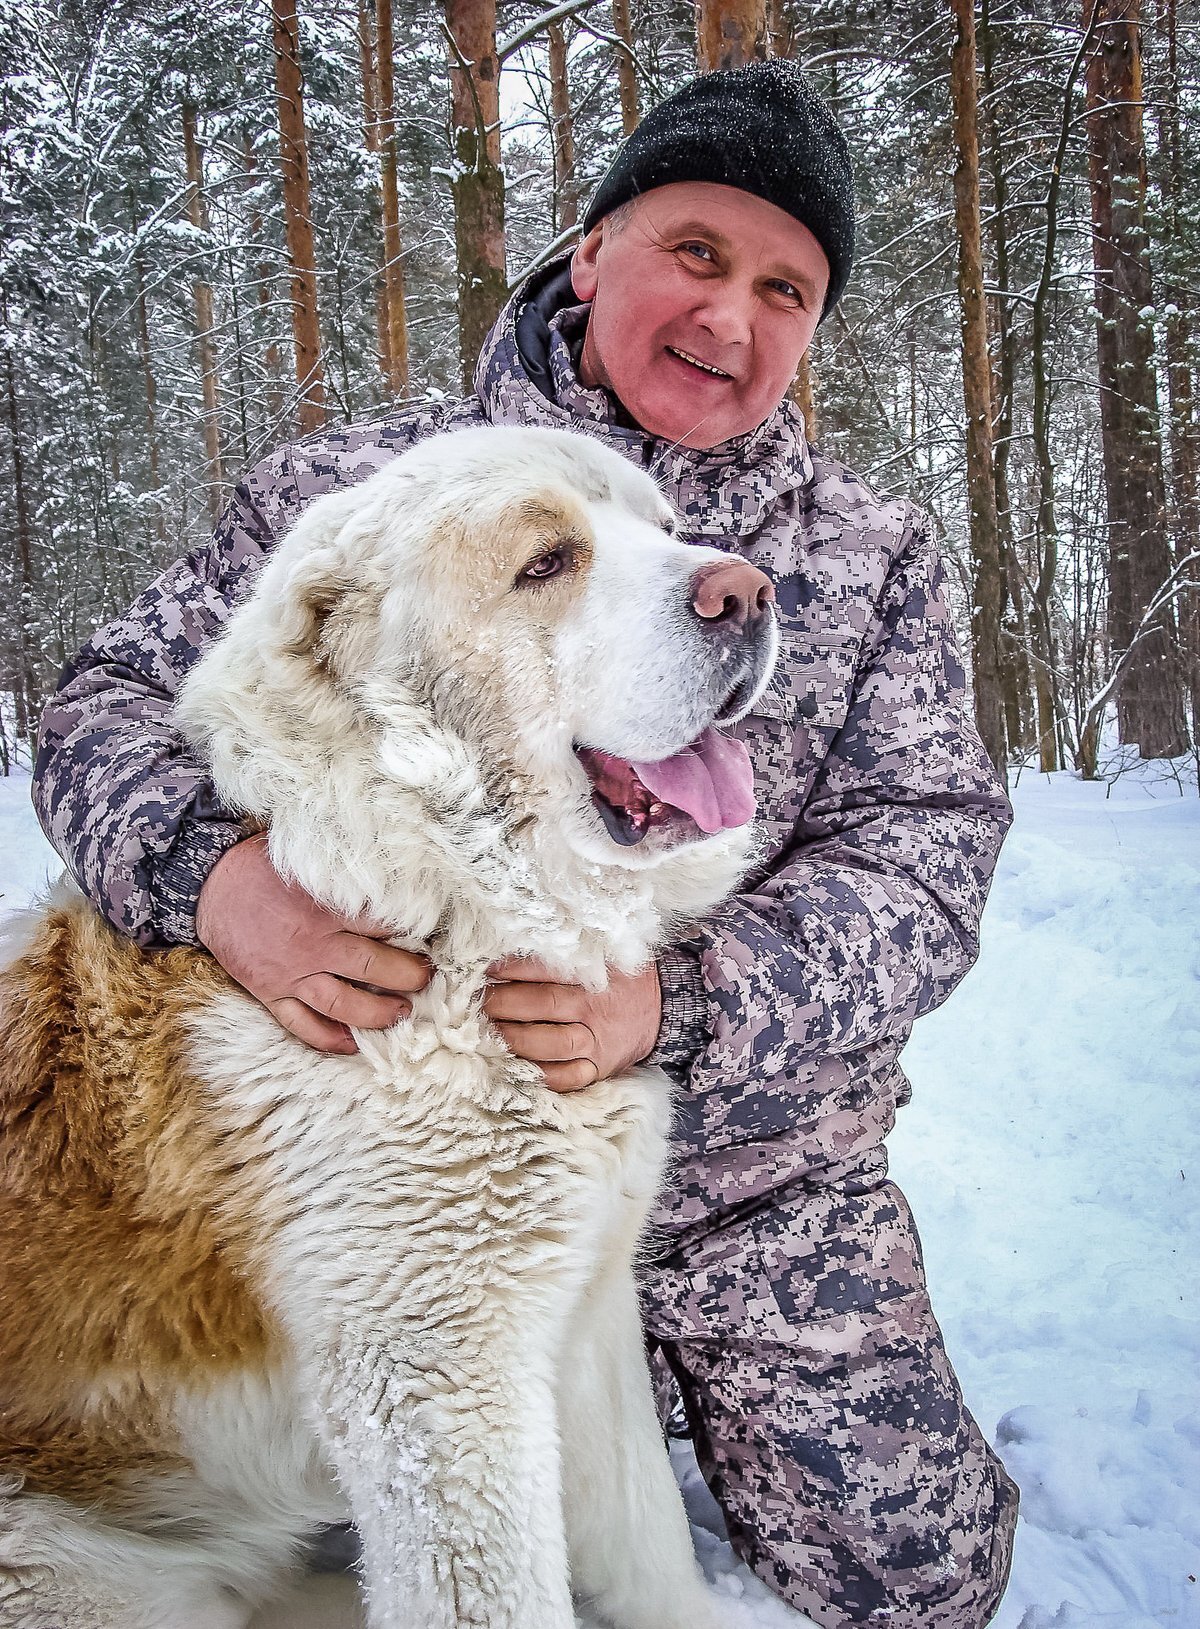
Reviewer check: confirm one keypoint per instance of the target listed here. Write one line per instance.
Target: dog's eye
(544, 567)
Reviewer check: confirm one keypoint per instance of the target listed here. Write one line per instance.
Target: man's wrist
(683, 1028)
(179, 875)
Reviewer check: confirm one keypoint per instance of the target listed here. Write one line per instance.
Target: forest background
(224, 224)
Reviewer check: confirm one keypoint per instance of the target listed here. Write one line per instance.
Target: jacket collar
(526, 375)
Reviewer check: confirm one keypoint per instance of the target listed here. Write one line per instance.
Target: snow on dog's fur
(247, 1289)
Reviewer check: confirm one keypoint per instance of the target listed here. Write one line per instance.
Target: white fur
(447, 1244)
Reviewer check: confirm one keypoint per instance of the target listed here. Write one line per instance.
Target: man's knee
(828, 1420)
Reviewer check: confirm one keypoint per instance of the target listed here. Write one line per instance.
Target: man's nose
(731, 595)
(726, 313)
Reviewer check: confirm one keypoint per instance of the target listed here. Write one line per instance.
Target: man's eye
(544, 567)
(700, 250)
(789, 291)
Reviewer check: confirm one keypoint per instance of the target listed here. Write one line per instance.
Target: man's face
(704, 299)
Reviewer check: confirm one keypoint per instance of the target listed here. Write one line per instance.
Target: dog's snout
(731, 595)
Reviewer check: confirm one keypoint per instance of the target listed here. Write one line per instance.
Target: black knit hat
(764, 129)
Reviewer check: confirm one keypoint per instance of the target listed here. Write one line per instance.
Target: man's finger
(571, 1077)
(535, 1003)
(373, 961)
(347, 1005)
(308, 1026)
(549, 1043)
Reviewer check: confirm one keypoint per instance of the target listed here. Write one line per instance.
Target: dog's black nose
(731, 595)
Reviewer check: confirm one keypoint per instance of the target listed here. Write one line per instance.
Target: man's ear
(584, 273)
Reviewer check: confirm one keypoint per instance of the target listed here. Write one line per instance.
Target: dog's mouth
(706, 788)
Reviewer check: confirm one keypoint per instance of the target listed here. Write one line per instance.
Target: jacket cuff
(177, 878)
(683, 1032)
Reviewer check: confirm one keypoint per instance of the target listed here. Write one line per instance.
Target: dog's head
(501, 629)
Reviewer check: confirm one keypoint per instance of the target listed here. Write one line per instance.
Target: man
(787, 1295)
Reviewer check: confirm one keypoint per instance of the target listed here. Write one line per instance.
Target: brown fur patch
(114, 1276)
(469, 566)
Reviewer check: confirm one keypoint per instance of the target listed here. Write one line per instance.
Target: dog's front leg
(452, 1474)
(630, 1544)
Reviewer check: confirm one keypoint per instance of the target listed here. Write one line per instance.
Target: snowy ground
(1051, 1156)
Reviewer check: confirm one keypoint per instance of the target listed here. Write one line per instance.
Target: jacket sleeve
(118, 793)
(871, 916)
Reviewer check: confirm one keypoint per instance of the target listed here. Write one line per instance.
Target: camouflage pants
(827, 1420)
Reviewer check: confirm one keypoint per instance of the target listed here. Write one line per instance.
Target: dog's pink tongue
(711, 780)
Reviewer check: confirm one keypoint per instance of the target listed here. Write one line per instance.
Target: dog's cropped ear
(265, 677)
(322, 610)
(310, 571)
(329, 595)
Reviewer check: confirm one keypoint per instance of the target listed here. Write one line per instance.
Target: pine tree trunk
(145, 357)
(1041, 617)
(25, 687)
(804, 386)
(1014, 631)
(293, 157)
(197, 209)
(804, 394)
(626, 67)
(566, 195)
(478, 184)
(145, 354)
(1180, 331)
(1149, 700)
(366, 52)
(730, 33)
(393, 264)
(987, 586)
(264, 278)
(779, 30)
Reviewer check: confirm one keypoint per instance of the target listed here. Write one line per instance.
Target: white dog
(247, 1289)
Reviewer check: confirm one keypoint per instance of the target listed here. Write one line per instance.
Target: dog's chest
(430, 1173)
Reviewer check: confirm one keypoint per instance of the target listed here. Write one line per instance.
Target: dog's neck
(402, 824)
(471, 886)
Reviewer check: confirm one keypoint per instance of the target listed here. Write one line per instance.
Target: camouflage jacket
(784, 1016)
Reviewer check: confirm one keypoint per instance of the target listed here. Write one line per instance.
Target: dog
(248, 1290)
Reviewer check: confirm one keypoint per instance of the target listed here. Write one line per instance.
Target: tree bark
(781, 43)
(730, 33)
(293, 156)
(264, 278)
(626, 67)
(393, 264)
(1149, 700)
(202, 297)
(478, 184)
(804, 394)
(779, 29)
(1014, 630)
(26, 698)
(145, 357)
(987, 587)
(1180, 330)
(566, 195)
(1045, 652)
(149, 386)
(366, 52)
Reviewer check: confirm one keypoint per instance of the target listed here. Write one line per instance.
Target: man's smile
(705, 367)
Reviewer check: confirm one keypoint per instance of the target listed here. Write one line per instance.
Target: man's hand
(575, 1036)
(304, 963)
